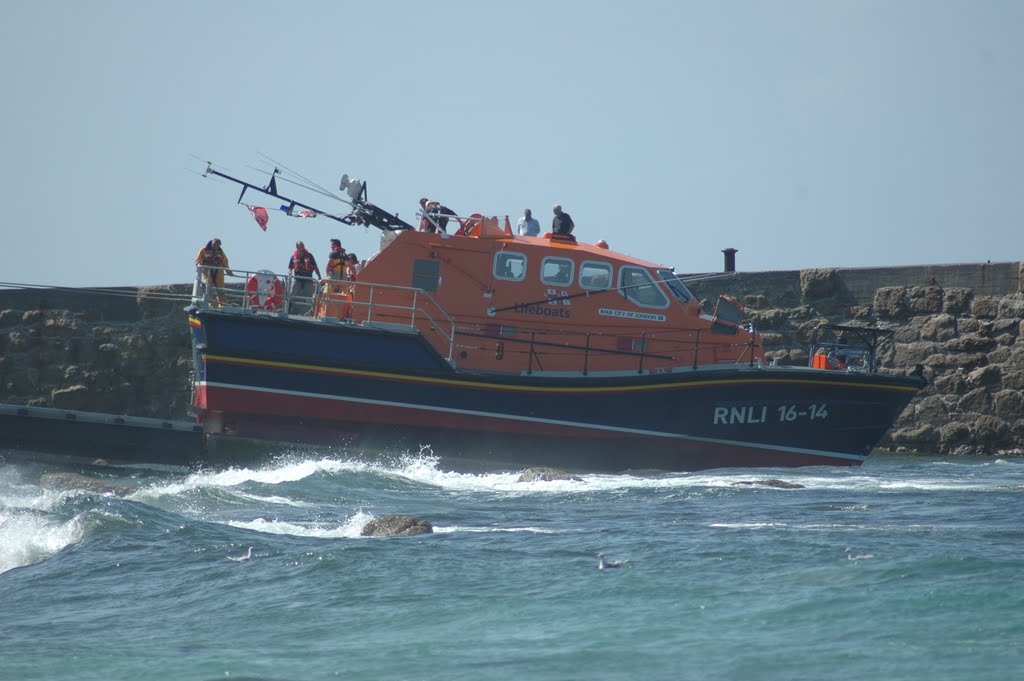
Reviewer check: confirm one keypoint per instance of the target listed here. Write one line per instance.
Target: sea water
(720, 580)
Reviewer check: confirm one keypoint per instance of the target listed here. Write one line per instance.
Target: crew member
(336, 261)
(302, 265)
(214, 263)
(528, 225)
(562, 222)
(353, 266)
(435, 216)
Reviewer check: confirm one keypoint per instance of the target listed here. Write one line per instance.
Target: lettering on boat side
(631, 314)
(785, 413)
(542, 310)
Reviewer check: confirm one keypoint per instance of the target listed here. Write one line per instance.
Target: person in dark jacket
(562, 222)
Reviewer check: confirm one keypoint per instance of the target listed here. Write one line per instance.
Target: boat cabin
(491, 301)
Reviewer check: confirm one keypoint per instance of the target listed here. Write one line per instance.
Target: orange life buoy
(264, 291)
(471, 226)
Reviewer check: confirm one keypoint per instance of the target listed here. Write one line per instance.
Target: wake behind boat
(503, 350)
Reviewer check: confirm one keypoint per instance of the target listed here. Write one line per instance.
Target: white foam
(460, 528)
(27, 538)
(349, 529)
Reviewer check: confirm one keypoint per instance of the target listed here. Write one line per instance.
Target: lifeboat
(502, 351)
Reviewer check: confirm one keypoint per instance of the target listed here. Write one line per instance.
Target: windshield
(675, 285)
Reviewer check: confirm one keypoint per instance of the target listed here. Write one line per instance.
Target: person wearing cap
(435, 216)
(562, 222)
(528, 225)
(302, 265)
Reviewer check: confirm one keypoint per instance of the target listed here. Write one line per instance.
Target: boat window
(636, 284)
(510, 266)
(675, 285)
(426, 274)
(595, 276)
(556, 271)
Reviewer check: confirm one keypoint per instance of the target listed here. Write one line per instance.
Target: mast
(363, 212)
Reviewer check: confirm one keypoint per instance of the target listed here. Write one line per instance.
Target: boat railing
(385, 305)
(546, 349)
(848, 348)
(330, 300)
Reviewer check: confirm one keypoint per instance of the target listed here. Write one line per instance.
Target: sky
(804, 134)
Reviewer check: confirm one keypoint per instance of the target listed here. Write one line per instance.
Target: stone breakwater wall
(114, 350)
(127, 350)
(963, 325)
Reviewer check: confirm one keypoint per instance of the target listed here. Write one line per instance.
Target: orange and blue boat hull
(289, 380)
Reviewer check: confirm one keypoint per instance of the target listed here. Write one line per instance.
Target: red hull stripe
(242, 400)
(331, 371)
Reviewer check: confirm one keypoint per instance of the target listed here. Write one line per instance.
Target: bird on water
(242, 559)
(603, 564)
(850, 555)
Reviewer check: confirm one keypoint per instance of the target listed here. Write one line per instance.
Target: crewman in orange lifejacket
(302, 265)
(336, 261)
(214, 260)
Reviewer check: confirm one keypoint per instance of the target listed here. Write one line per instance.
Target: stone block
(1009, 405)
(977, 401)
(987, 377)
(970, 343)
(1003, 326)
(920, 436)
(939, 328)
(971, 360)
(925, 299)
(818, 284)
(990, 433)
(1011, 307)
(932, 408)
(891, 302)
(1013, 379)
(954, 433)
(956, 301)
(986, 307)
(908, 333)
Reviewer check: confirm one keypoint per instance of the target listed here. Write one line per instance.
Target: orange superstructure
(527, 304)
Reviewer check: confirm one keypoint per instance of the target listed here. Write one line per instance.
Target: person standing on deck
(301, 266)
(528, 225)
(336, 261)
(562, 222)
(214, 263)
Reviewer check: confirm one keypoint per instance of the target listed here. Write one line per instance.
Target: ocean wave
(350, 528)
(27, 538)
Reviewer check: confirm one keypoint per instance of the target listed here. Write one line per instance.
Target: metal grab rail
(679, 351)
(239, 293)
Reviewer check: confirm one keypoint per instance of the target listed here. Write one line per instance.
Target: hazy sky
(804, 134)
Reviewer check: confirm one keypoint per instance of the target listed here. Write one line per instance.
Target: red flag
(260, 215)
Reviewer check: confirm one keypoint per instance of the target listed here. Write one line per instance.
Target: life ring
(264, 291)
(472, 225)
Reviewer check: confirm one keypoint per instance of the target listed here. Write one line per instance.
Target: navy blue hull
(293, 380)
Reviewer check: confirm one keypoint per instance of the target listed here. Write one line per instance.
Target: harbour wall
(127, 351)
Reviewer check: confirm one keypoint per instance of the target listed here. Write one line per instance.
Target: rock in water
(780, 484)
(546, 475)
(396, 526)
(68, 481)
